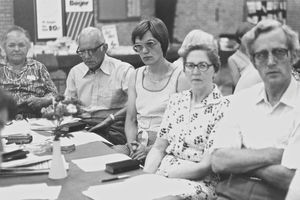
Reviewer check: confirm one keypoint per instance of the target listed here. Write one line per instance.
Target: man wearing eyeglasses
(100, 82)
(251, 142)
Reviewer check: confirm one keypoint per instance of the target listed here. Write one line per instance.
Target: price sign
(49, 19)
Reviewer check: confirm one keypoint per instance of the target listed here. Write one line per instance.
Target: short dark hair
(17, 29)
(7, 102)
(211, 52)
(157, 28)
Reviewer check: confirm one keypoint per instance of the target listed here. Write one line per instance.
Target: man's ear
(105, 47)
(295, 56)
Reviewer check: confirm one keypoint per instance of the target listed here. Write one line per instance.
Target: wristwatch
(112, 117)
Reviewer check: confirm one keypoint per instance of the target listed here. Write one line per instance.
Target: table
(77, 180)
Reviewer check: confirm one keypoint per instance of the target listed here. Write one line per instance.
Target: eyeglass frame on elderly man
(277, 53)
(140, 46)
(202, 66)
(90, 51)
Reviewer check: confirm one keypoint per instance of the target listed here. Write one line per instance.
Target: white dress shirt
(252, 122)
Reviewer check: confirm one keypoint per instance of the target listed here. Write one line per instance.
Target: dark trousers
(115, 133)
(244, 188)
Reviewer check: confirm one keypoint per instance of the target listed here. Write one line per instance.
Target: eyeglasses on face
(277, 53)
(88, 51)
(202, 66)
(140, 46)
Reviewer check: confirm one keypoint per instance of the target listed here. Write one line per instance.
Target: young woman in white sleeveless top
(149, 87)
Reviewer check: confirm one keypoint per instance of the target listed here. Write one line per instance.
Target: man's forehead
(89, 40)
(271, 39)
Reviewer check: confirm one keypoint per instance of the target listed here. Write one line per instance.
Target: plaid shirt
(32, 81)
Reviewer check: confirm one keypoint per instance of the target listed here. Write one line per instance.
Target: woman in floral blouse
(27, 80)
(181, 149)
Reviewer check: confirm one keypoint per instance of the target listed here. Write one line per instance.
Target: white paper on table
(146, 187)
(30, 191)
(98, 163)
(41, 124)
(17, 127)
(85, 137)
(44, 124)
(31, 159)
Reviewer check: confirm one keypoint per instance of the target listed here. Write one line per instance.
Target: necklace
(6, 73)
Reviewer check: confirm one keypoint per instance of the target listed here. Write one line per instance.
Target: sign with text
(49, 19)
(110, 35)
(79, 5)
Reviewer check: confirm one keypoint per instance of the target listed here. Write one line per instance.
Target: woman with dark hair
(27, 80)
(181, 149)
(149, 87)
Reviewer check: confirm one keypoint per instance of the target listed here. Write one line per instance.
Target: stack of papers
(28, 166)
(32, 191)
(146, 187)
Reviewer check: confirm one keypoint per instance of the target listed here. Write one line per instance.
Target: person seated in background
(100, 82)
(194, 37)
(7, 112)
(27, 80)
(149, 87)
(243, 72)
(262, 121)
(181, 148)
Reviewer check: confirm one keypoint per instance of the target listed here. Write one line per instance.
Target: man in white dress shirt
(262, 121)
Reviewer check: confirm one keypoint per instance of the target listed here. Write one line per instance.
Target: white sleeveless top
(151, 105)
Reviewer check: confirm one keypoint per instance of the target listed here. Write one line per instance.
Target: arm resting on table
(155, 156)
(191, 170)
(236, 161)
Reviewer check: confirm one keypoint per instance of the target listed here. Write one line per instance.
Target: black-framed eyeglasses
(202, 66)
(277, 53)
(88, 51)
(140, 46)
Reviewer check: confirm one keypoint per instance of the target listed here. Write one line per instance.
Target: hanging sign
(79, 5)
(49, 19)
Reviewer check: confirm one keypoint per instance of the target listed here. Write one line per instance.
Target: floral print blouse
(32, 81)
(188, 131)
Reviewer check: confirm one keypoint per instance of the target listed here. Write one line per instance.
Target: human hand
(140, 152)
(38, 102)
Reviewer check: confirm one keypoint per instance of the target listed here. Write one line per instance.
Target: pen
(115, 178)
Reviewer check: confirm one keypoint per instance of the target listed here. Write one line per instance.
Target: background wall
(124, 28)
(6, 15)
(215, 16)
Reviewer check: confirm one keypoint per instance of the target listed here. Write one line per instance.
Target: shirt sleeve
(70, 91)
(50, 88)
(126, 74)
(168, 117)
(228, 133)
(290, 154)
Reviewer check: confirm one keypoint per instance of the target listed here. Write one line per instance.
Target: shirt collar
(289, 97)
(212, 98)
(104, 67)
